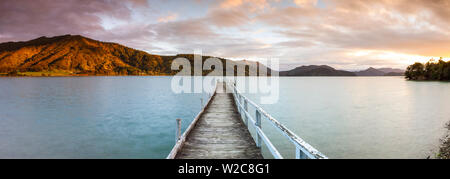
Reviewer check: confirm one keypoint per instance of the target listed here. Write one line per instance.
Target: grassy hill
(74, 55)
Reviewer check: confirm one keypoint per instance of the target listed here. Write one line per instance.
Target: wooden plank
(179, 144)
(219, 133)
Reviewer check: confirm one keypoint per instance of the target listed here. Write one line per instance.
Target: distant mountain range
(74, 55)
(314, 70)
(324, 70)
(380, 72)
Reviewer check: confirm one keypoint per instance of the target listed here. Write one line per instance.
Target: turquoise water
(91, 117)
(134, 117)
(361, 117)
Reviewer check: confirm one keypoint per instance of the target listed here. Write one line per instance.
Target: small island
(432, 70)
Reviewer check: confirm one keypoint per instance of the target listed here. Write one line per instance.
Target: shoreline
(444, 150)
(89, 75)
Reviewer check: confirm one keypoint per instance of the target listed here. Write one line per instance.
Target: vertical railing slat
(300, 154)
(258, 125)
(178, 131)
(246, 110)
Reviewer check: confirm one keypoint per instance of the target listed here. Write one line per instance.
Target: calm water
(91, 117)
(362, 117)
(134, 117)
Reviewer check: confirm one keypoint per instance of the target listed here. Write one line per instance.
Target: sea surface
(361, 117)
(134, 117)
(91, 117)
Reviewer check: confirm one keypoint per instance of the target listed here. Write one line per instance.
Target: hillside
(370, 72)
(391, 70)
(78, 55)
(72, 55)
(380, 72)
(315, 70)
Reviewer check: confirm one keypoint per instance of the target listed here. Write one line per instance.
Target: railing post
(299, 153)
(246, 110)
(178, 132)
(258, 124)
(241, 99)
(201, 102)
(240, 104)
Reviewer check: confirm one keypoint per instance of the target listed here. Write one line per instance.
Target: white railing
(302, 149)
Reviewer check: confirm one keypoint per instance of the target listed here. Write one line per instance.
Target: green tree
(415, 71)
(431, 70)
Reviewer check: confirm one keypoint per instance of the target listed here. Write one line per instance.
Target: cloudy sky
(345, 34)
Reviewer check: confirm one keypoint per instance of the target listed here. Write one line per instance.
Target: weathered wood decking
(219, 133)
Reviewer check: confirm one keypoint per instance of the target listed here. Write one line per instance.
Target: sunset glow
(345, 34)
(402, 58)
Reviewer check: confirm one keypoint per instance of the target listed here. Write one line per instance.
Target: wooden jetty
(220, 132)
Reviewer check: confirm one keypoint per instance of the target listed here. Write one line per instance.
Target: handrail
(303, 149)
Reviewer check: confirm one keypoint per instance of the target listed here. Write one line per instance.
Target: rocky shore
(444, 151)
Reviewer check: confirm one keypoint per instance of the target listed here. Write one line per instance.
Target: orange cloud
(168, 18)
(231, 3)
(251, 5)
(305, 2)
